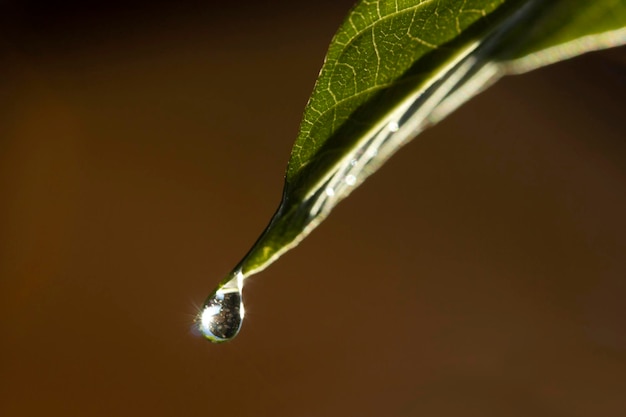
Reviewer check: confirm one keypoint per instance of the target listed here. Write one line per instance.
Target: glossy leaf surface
(396, 67)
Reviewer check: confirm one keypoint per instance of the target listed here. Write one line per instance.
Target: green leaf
(562, 29)
(395, 68)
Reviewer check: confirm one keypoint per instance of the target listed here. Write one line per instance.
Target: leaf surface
(396, 67)
(562, 29)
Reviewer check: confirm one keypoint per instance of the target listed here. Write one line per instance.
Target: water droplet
(330, 191)
(393, 126)
(222, 314)
(350, 180)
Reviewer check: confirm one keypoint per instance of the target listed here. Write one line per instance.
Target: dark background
(142, 151)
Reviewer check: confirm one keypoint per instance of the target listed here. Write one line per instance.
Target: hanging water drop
(222, 314)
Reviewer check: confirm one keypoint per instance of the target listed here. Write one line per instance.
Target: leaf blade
(355, 45)
(342, 126)
(563, 29)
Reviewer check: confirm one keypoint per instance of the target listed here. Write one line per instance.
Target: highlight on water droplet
(222, 314)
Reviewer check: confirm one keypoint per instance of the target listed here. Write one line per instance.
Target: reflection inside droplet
(223, 312)
(393, 126)
(350, 180)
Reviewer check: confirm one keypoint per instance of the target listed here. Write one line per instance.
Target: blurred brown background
(142, 151)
